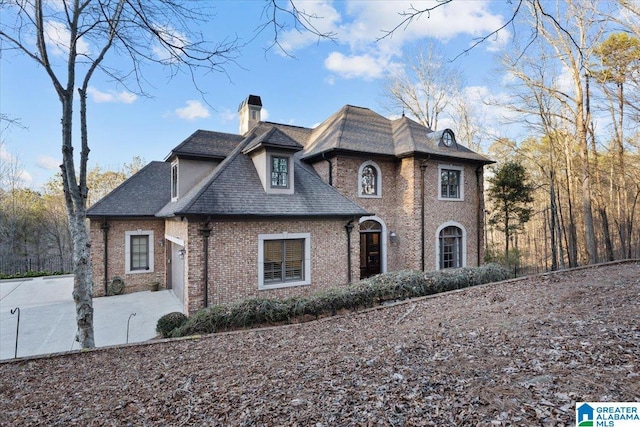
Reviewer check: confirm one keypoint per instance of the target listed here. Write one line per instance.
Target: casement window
(451, 246)
(369, 180)
(283, 260)
(139, 253)
(451, 185)
(174, 181)
(279, 172)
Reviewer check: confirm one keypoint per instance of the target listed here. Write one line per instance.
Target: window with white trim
(450, 182)
(369, 180)
(174, 181)
(139, 253)
(284, 260)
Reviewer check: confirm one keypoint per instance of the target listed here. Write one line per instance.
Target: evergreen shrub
(393, 286)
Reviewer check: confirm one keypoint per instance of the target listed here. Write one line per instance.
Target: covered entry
(370, 248)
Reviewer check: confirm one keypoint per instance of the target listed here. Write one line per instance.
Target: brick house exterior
(279, 210)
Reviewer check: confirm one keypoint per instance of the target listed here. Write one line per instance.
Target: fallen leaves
(508, 354)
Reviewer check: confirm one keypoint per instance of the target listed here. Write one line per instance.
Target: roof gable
(273, 138)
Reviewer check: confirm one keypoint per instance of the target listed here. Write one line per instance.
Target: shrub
(169, 322)
(365, 293)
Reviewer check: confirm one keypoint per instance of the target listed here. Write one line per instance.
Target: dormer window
(279, 172)
(447, 138)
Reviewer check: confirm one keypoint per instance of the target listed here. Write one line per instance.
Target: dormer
(187, 173)
(272, 155)
(443, 138)
(249, 113)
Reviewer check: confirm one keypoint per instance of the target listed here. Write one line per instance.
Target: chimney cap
(251, 100)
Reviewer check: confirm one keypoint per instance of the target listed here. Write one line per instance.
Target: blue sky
(301, 90)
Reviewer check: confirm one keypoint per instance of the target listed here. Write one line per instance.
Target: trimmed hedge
(397, 285)
(29, 274)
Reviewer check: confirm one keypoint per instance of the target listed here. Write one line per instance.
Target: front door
(176, 262)
(370, 254)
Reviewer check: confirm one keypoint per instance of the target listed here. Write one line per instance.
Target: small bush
(205, 321)
(169, 322)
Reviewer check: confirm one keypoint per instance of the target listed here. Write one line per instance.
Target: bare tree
(425, 88)
(74, 40)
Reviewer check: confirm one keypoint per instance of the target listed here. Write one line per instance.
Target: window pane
(174, 181)
(369, 180)
(140, 252)
(451, 247)
(293, 259)
(450, 183)
(283, 260)
(273, 260)
(279, 172)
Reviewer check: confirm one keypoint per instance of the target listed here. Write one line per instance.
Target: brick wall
(400, 206)
(134, 282)
(233, 259)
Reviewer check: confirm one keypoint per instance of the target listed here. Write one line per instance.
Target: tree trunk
(75, 199)
(607, 235)
(82, 283)
(552, 223)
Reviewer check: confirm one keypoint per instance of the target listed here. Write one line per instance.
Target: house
(280, 210)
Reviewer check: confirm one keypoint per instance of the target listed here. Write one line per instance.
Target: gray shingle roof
(143, 194)
(235, 189)
(411, 137)
(207, 144)
(273, 138)
(358, 129)
(352, 129)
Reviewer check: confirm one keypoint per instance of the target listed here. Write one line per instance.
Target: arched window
(450, 241)
(369, 180)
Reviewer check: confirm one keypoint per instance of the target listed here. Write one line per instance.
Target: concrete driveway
(48, 318)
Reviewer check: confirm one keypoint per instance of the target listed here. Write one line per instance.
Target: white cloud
(359, 25)
(175, 41)
(325, 19)
(264, 114)
(194, 110)
(227, 115)
(48, 163)
(365, 66)
(111, 96)
(564, 82)
(58, 36)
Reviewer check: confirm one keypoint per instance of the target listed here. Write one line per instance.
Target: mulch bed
(517, 353)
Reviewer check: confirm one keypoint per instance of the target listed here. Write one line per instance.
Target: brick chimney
(249, 113)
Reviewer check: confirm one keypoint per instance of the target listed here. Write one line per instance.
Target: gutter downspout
(330, 169)
(348, 228)
(423, 167)
(206, 233)
(479, 216)
(105, 238)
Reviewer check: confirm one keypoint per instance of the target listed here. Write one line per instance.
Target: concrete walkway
(48, 318)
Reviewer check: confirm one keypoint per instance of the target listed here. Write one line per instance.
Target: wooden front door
(369, 253)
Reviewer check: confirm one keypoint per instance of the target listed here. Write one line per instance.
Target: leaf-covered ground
(517, 353)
